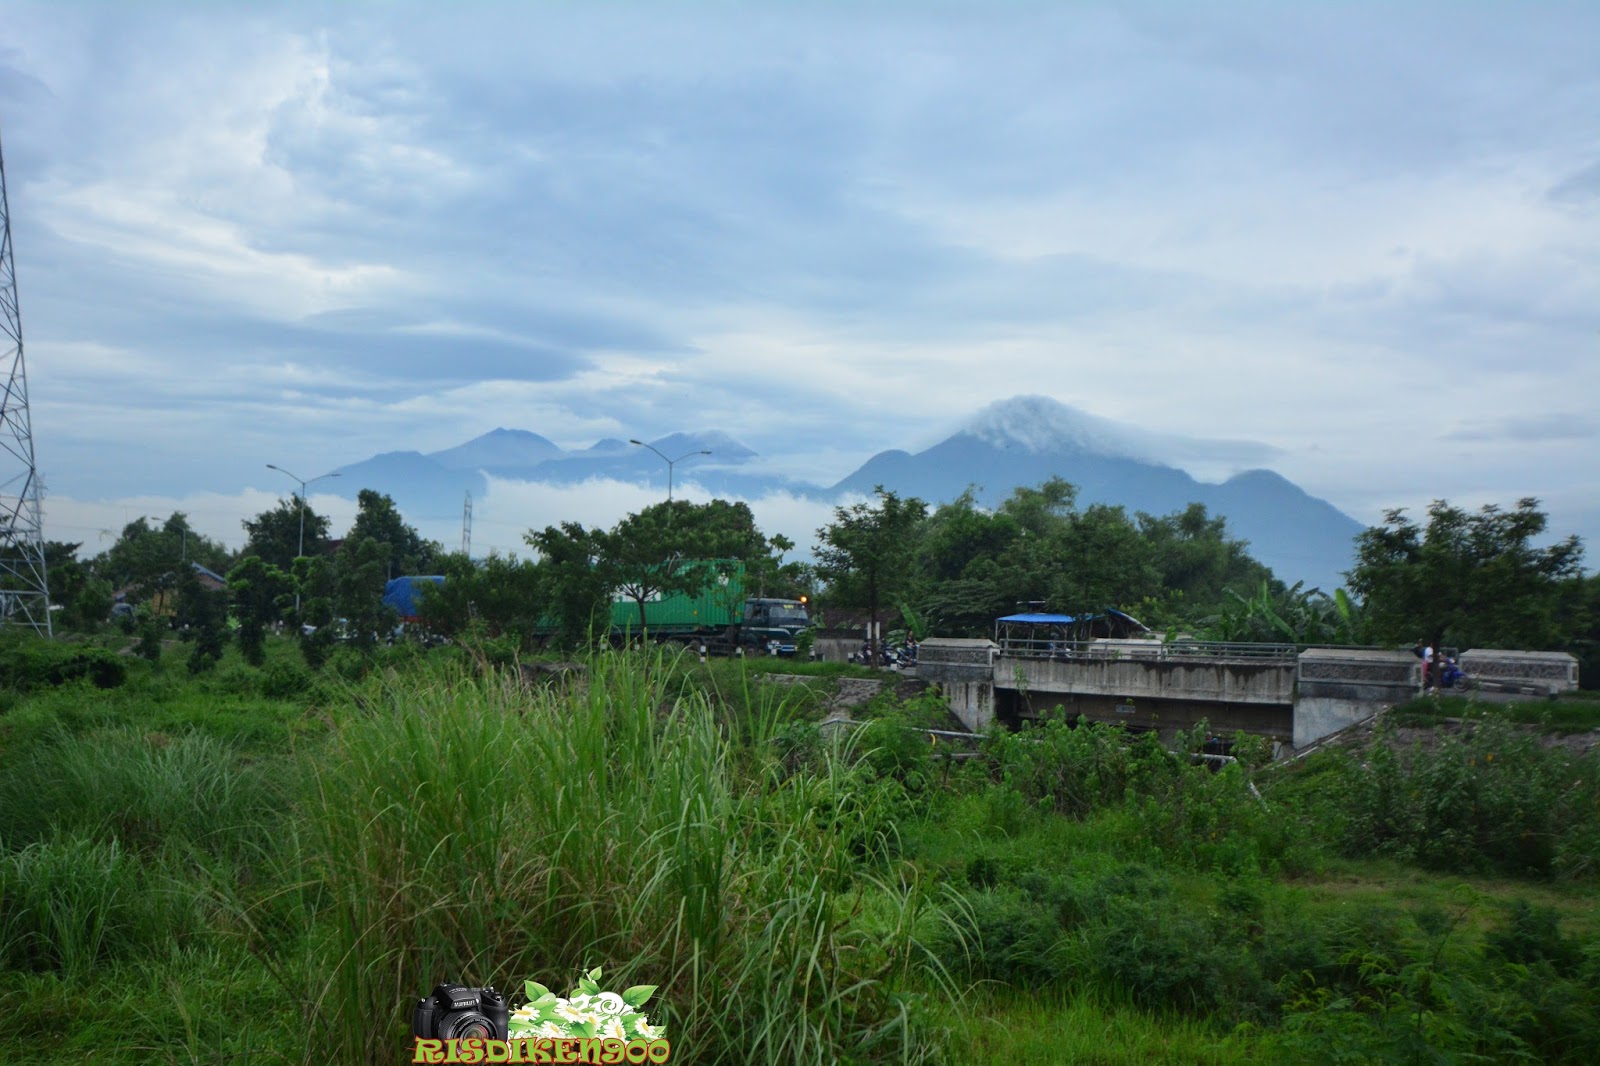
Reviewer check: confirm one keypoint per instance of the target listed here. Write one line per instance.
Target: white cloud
(1353, 234)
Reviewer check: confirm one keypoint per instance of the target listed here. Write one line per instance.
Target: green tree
(84, 598)
(259, 590)
(275, 535)
(148, 560)
(866, 554)
(1470, 579)
(576, 580)
(503, 594)
(314, 583)
(1197, 564)
(201, 615)
(378, 519)
(961, 586)
(360, 574)
(678, 548)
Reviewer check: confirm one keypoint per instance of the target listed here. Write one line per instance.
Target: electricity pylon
(24, 585)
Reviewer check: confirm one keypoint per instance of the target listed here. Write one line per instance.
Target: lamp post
(670, 464)
(301, 550)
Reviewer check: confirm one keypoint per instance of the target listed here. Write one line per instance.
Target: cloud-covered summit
(1041, 424)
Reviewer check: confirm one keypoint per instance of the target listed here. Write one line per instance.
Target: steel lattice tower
(24, 586)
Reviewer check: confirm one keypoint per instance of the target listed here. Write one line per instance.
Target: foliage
(152, 629)
(84, 598)
(359, 578)
(1039, 546)
(28, 661)
(578, 580)
(1290, 616)
(278, 536)
(378, 519)
(865, 554)
(201, 616)
(149, 560)
(678, 548)
(504, 595)
(259, 591)
(315, 582)
(1490, 799)
(1470, 580)
(279, 880)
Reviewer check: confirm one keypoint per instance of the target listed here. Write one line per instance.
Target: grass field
(269, 865)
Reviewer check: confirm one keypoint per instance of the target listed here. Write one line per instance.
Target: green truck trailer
(720, 616)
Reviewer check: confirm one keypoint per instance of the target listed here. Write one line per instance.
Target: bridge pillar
(1337, 687)
(964, 669)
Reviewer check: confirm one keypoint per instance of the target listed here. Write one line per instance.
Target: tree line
(1490, 578)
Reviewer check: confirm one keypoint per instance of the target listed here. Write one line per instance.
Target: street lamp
(670, 464)
(301, 550)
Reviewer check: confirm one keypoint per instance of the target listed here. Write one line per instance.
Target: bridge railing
(1141, 650)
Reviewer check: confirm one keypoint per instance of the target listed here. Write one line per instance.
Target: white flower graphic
(573, 1014)
(609, 1003)
(645, 1029)
(614, 1029)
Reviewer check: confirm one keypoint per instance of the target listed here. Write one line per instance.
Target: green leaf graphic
(639, 995)
(534, 991)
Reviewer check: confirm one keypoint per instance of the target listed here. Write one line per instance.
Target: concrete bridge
(1293, 696)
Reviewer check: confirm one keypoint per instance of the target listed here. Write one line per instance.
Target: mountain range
(1021, 441)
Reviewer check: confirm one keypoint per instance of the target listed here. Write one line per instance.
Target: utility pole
(24, 576)
(670, 464)
(301, 550)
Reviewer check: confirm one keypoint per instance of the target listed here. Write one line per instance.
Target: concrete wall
(1544, 672)
(1337, 687)
(963, 670)
(1210, 680)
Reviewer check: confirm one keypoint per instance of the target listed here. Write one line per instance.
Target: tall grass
(474, 830)
(142, 790)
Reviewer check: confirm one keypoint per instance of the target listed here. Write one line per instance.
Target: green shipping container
(715, 607)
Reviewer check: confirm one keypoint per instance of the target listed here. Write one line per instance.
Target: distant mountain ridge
(1016, 442)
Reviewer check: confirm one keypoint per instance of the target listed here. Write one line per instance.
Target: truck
(719, 616)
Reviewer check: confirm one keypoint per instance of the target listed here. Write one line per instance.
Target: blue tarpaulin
(404, 595)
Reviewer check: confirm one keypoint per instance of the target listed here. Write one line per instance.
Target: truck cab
(774, 624)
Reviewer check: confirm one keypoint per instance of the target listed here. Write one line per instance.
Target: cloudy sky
(1364, 235)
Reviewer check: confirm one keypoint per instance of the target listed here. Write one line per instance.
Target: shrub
(30, 662)
(1493, 799)
(1002, 935)
(284, 679)
(1076, 768)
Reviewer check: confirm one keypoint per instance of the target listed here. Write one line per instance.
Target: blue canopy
(1044, 619)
